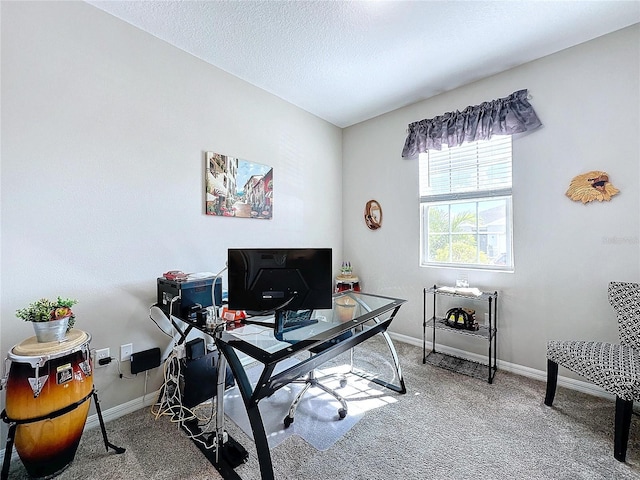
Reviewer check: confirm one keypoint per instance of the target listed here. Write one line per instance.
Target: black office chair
(311, 381)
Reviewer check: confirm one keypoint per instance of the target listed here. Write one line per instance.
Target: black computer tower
(200, 376)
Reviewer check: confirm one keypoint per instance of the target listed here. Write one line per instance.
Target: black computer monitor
(265, 280)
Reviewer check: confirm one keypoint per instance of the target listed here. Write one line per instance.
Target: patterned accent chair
(614, 367)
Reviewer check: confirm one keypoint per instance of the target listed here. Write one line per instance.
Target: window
(465, 205)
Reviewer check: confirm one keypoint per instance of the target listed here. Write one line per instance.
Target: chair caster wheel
(342, 413)
(343, 382)
(287, 421)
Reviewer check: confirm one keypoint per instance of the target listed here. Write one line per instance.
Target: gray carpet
(447, 426)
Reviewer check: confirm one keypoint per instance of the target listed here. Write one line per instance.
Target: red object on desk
(175, 275)
(235, 316)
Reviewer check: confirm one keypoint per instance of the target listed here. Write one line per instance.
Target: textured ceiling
(348, 61)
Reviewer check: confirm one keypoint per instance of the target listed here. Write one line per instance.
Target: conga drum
(347, 282)
(49, 389)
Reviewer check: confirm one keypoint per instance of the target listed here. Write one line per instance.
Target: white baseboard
(567, 382)
(121, 410)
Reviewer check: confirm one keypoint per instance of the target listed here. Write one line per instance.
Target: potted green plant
(51, 319)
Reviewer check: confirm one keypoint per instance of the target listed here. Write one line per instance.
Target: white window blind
(465, 205)
(466, 171)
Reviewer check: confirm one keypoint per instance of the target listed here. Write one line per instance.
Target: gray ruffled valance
(504, 116)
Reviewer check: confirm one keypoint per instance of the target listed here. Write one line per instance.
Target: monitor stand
(288, 320)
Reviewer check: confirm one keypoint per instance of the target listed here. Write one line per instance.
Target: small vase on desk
(51, 331)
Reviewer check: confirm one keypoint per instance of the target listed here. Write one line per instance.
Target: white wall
(102, 183)
(104, 130)
(588, 99)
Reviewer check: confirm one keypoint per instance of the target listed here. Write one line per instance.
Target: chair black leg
(624, 409)
(552, 382)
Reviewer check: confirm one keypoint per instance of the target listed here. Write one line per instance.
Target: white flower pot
(51, 331)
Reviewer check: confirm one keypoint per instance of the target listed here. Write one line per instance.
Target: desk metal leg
(251, 406)
(396, 388)
(222, 370)
(396, 362)
(401, 388)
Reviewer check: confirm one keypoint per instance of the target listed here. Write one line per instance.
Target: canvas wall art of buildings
(238, 188)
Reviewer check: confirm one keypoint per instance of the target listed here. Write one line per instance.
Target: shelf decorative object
(51, 319)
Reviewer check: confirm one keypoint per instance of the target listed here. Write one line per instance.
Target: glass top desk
(363, 314)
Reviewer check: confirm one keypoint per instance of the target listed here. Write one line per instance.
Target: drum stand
(13, 424)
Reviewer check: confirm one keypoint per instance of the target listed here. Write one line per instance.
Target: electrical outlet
(125, 352)
(100, 354)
